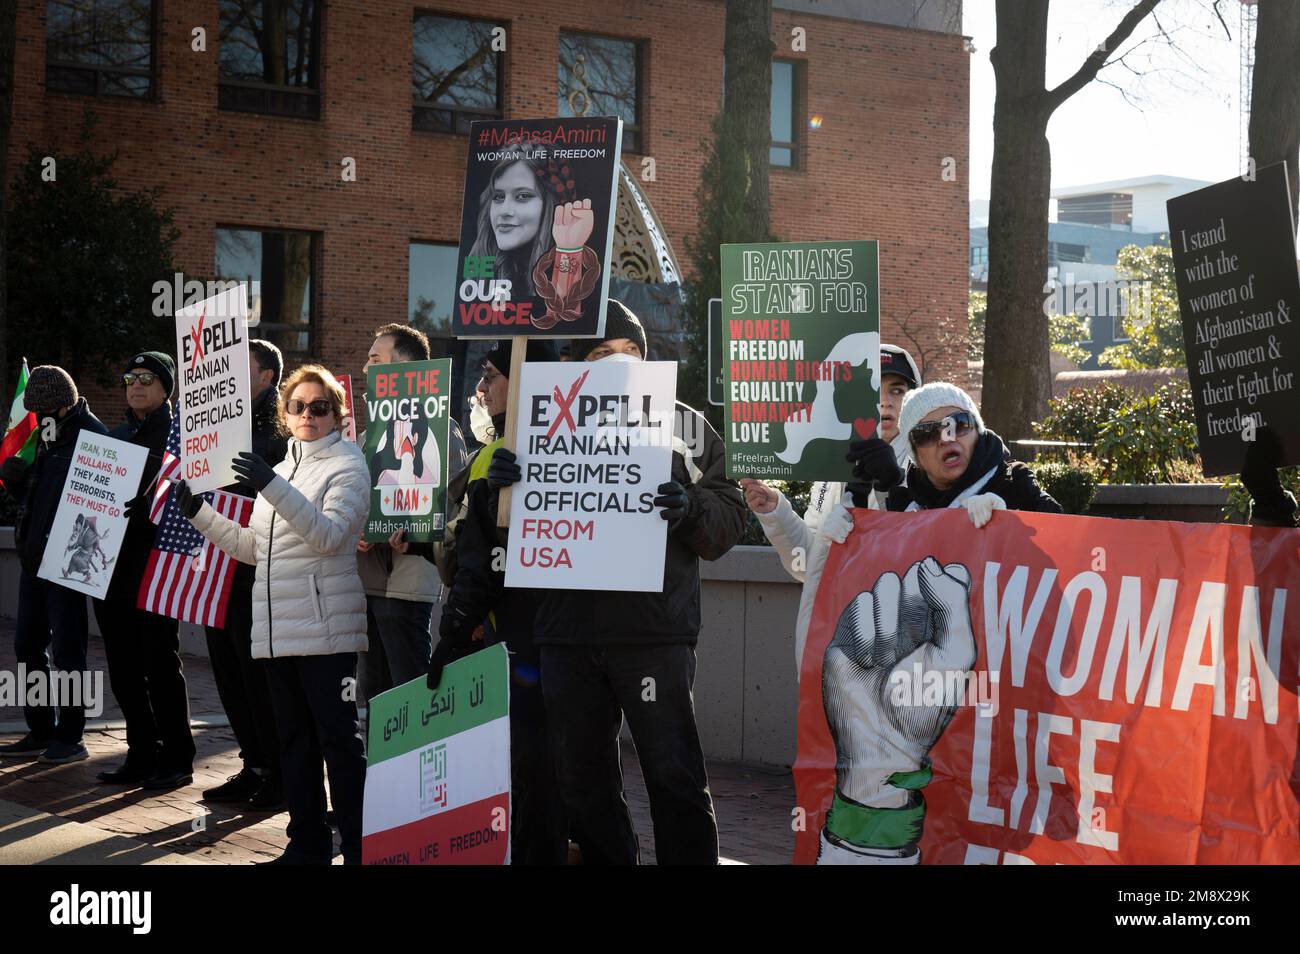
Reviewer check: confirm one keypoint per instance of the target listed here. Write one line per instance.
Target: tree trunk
(747, 121)
(8, 33)
(1017, 373)
(1017, 376)
(1275, 91)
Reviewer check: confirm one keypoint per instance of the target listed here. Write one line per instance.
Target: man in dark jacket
(143, 649)
(539, 833)
(610, 655)
(241, 679)
(1272, 505)
(49, 616)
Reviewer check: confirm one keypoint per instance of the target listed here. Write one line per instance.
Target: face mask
(480, 421)
(620, 356)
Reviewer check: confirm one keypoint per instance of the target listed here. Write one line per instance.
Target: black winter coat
(42, 486)
(150, 432)
(715, 525)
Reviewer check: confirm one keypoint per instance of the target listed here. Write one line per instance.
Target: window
(1066, 252)
(99, 47)
(601, 76)
(268, 57)
(431, 286)
(979, 255)
(787, 115)
(455, 73)
(280, 268)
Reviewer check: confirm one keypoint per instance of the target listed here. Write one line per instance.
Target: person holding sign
(802, 543)
(957, 462)
(1272, 505)
(241, 679)
(478, 598)
(606, 655)
(143, 648)
(49, 616)
(309, 608)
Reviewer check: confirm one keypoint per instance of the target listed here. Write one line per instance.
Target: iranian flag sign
(438, 776)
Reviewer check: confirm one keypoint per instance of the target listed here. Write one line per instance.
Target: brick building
(250, 137)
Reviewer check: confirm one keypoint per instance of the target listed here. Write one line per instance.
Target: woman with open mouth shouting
(957, 462)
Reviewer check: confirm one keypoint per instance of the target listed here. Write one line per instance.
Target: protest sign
(349, 408)
(802, 326)
(407, 414)
(1233, 246)
(1049, 690)
(214, 404)
(81, 549)
(537, 227)
(595, 441)
(717, 354)
(438, 769)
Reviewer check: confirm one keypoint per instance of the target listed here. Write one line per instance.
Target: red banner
(1051, 690)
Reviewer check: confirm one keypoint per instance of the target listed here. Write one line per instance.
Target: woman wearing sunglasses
(309, 607)
(957, 462)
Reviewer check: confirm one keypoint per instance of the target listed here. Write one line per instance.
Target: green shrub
(1146, 440)
(1072, 486)
(1081, 413)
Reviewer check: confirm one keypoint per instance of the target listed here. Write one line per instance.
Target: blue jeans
(52, 616)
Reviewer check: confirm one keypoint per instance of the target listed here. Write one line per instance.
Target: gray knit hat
(49, 389)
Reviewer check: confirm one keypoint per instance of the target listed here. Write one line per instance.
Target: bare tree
(1017, 376)
(1275, 90)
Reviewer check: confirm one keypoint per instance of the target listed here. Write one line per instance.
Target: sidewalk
(95, 824)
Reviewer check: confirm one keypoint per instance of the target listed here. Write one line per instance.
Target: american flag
(170, 469)
(187, 578)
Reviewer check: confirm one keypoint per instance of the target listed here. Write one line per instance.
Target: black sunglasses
(314, 408)
(929, 432)
(146, 378)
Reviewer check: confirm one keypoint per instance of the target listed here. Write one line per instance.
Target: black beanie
(49, 389)
(539, 349)
(159, 363)
(619, 323)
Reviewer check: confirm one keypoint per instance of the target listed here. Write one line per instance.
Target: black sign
(1234, 258)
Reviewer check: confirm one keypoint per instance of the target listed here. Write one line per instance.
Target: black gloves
(188, 502)
(503, 471)
(137, 505)
(874, 463)
(1273, 506)
(455, 631)
(675, 502)
(252, 470)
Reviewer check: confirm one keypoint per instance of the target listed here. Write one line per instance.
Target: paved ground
(60, 814)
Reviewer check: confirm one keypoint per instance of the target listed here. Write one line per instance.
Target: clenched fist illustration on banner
(887, 637)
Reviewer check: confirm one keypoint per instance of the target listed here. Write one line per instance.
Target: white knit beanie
(917, 404)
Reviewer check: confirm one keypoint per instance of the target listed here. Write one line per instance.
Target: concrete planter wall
(1188, 503)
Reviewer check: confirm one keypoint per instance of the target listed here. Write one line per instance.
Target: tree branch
(1097, 59)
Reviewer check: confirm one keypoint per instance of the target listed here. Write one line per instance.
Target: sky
(1184, 118)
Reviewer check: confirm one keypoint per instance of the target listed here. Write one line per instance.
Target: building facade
(317, 147)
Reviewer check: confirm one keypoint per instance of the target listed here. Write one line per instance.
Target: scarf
(989, 453)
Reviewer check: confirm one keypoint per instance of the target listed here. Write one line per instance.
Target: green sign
(801, 332)
(407, 410)
(717, 349)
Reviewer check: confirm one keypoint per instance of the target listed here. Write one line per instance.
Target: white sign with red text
(595, 441)
(214, 402)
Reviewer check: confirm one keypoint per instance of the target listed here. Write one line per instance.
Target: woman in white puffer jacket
(309, 606)
(803, 543)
